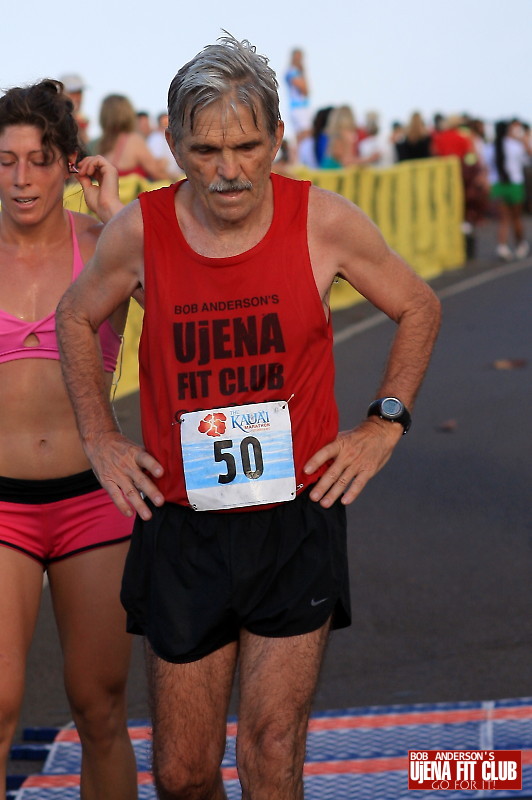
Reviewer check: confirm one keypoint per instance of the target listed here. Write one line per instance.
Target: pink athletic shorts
(52, 519)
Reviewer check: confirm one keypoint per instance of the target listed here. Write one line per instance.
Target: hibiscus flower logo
(213, 424)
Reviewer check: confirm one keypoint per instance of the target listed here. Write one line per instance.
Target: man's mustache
(230, 186)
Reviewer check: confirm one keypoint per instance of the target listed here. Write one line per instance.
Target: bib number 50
(249, 448)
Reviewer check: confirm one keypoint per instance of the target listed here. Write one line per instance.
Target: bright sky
(392, 57)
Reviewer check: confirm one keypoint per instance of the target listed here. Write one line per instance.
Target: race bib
(238, 456)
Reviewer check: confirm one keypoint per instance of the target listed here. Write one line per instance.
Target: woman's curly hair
(45, 106)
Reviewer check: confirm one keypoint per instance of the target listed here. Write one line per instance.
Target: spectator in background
(344, 148)
(311, 149)
(395, 137)
(342, 139)
(319, 134)
(416, 142)
(370, 121)
(306, 152)
(298, 95)
(528, 169)
(74, 86)
(509, 159)
(475, 174)
(372, 149)
(121, 143)
(438, 122)
(477, 132)
(143, 124)
(158, 145)
(452, 139)
(455, 140)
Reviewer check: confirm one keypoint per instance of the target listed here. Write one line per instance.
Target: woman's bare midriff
(38, 433)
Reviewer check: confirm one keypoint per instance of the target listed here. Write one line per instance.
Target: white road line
(450, 291)
(360, 327)
(484, 277)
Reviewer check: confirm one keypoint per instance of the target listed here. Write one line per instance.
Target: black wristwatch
(392, 409)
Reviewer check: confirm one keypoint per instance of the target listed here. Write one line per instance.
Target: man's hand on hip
(356, 457)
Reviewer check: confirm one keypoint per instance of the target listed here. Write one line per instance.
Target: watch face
(391, 407)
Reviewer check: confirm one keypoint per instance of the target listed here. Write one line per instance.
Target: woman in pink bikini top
(122, 145)
(54, 515)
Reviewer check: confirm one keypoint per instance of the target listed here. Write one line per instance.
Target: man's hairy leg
(189, 704)
(278, 679)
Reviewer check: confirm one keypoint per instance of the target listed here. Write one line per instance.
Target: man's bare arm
(111, 277)
(344, 241)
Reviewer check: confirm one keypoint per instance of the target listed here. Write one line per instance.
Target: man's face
(227, 160)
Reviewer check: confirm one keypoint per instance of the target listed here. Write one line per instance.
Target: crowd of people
(128, 138)
(495, 159)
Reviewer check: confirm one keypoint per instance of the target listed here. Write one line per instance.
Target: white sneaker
(522, 249)
(504, 252)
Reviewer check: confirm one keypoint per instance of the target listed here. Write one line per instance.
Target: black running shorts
(193, 579)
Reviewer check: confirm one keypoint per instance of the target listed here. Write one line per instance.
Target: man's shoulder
(126, 226)
(335, 219)
(327, 200)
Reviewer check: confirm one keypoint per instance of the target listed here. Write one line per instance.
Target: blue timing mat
(355, 753)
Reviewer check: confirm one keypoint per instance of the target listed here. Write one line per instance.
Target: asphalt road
(441, 541)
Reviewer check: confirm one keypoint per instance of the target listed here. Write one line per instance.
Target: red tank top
(230, 331)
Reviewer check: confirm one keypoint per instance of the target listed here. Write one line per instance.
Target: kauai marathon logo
(215, 423)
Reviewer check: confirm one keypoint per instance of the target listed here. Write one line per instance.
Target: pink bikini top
(14, 332)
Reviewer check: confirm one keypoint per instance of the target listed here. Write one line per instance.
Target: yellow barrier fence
(418, 206)
(127, 370)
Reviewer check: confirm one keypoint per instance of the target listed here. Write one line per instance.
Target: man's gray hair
(229, 69)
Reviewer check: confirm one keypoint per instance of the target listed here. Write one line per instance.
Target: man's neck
(215, 237)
